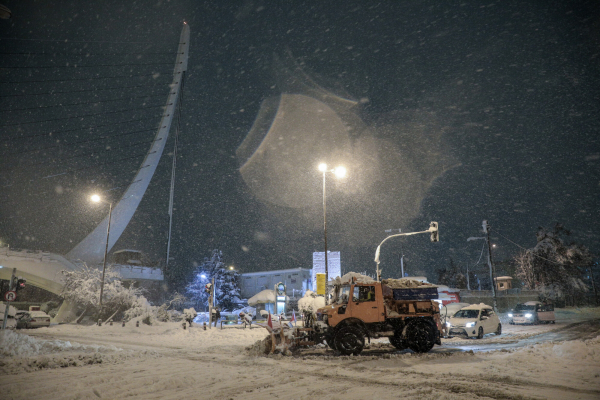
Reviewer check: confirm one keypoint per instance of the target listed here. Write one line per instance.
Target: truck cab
(362, 301)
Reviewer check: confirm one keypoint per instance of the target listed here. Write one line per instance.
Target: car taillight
(33, 320)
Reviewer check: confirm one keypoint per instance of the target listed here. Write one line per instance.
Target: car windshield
(524, 307)
(467, 314)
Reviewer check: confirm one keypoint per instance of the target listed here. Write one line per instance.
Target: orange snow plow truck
(402, 310)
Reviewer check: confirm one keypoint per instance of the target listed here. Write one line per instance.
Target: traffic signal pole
(10, 287)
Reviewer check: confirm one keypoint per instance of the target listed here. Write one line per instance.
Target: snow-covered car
(532, 312)
(33, 319)
(475, 320)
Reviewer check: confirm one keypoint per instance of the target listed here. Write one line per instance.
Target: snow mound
(311, 302)
(347, 278)
(588, 350)
(406, 283)
(13, 344)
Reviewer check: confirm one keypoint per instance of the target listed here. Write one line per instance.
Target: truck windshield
(344, 294)
(467, 314)
(524, 307)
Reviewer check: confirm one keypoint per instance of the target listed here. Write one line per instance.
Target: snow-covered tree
(553, 266)
(82, 287)
(227, 289)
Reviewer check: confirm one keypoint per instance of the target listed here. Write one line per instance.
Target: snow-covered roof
(279, 271)
(479, 306)
(444, 288)
(266, 296)
(504, 277)
(532, 303)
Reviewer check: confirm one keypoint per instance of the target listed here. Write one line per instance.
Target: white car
(447, 311)
(33, 319)
(475, 320)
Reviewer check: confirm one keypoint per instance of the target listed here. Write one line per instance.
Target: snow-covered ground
(164, 361)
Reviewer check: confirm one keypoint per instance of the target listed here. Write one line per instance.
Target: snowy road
(164, 362)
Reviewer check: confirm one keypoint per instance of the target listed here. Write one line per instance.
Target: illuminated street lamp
(97, 199)
(339, 172)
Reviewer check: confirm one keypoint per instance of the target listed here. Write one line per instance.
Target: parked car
(532, 312)
(33, 319)
(11, 322)
(475, 320)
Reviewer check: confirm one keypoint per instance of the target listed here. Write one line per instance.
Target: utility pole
(210, 303)
(10, 287)
(486, 230)
(468, 285)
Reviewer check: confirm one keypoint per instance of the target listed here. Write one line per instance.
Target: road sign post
(11, 295)
(10, 289)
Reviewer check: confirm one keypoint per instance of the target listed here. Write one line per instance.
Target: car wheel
(499, 330)
(553, 322)
(349, 340)
(480, 332)
(421, 337)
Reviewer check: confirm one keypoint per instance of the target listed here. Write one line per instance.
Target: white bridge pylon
(43, 269)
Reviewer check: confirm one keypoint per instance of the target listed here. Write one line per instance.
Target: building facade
(297, 281)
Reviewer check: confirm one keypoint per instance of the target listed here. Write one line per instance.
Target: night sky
(464, 111)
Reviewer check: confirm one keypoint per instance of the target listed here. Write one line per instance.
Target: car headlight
(470, 324)
(510, 315)
(448, 324)
(527, 315)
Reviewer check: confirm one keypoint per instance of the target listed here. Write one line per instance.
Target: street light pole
(490, 264)
(340, 172)
(325, 234)
(97, 199)
(105, 254)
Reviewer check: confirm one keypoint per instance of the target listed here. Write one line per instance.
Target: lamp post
(97, 199)
(339, 172)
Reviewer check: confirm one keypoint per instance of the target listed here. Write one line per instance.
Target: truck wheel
(330, 340)
(480, 333)
(397, 342)
(421, 337)
(499, 330)
(349, 340)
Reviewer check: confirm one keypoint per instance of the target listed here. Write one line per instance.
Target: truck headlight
(510, 315)
(470, 324)
(527, 315)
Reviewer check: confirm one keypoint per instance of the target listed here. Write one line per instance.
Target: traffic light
(208, 287)
(20, 283)
(433, 228)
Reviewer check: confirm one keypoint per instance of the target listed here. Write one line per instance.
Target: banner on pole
(321, 284)
(333, 265)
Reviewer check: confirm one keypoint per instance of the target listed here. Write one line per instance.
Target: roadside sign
(11, 295)
(321, 284)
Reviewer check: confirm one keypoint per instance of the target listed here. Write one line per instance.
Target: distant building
(128, 263)
(297, 281)
(503, 283)
(130, 266)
